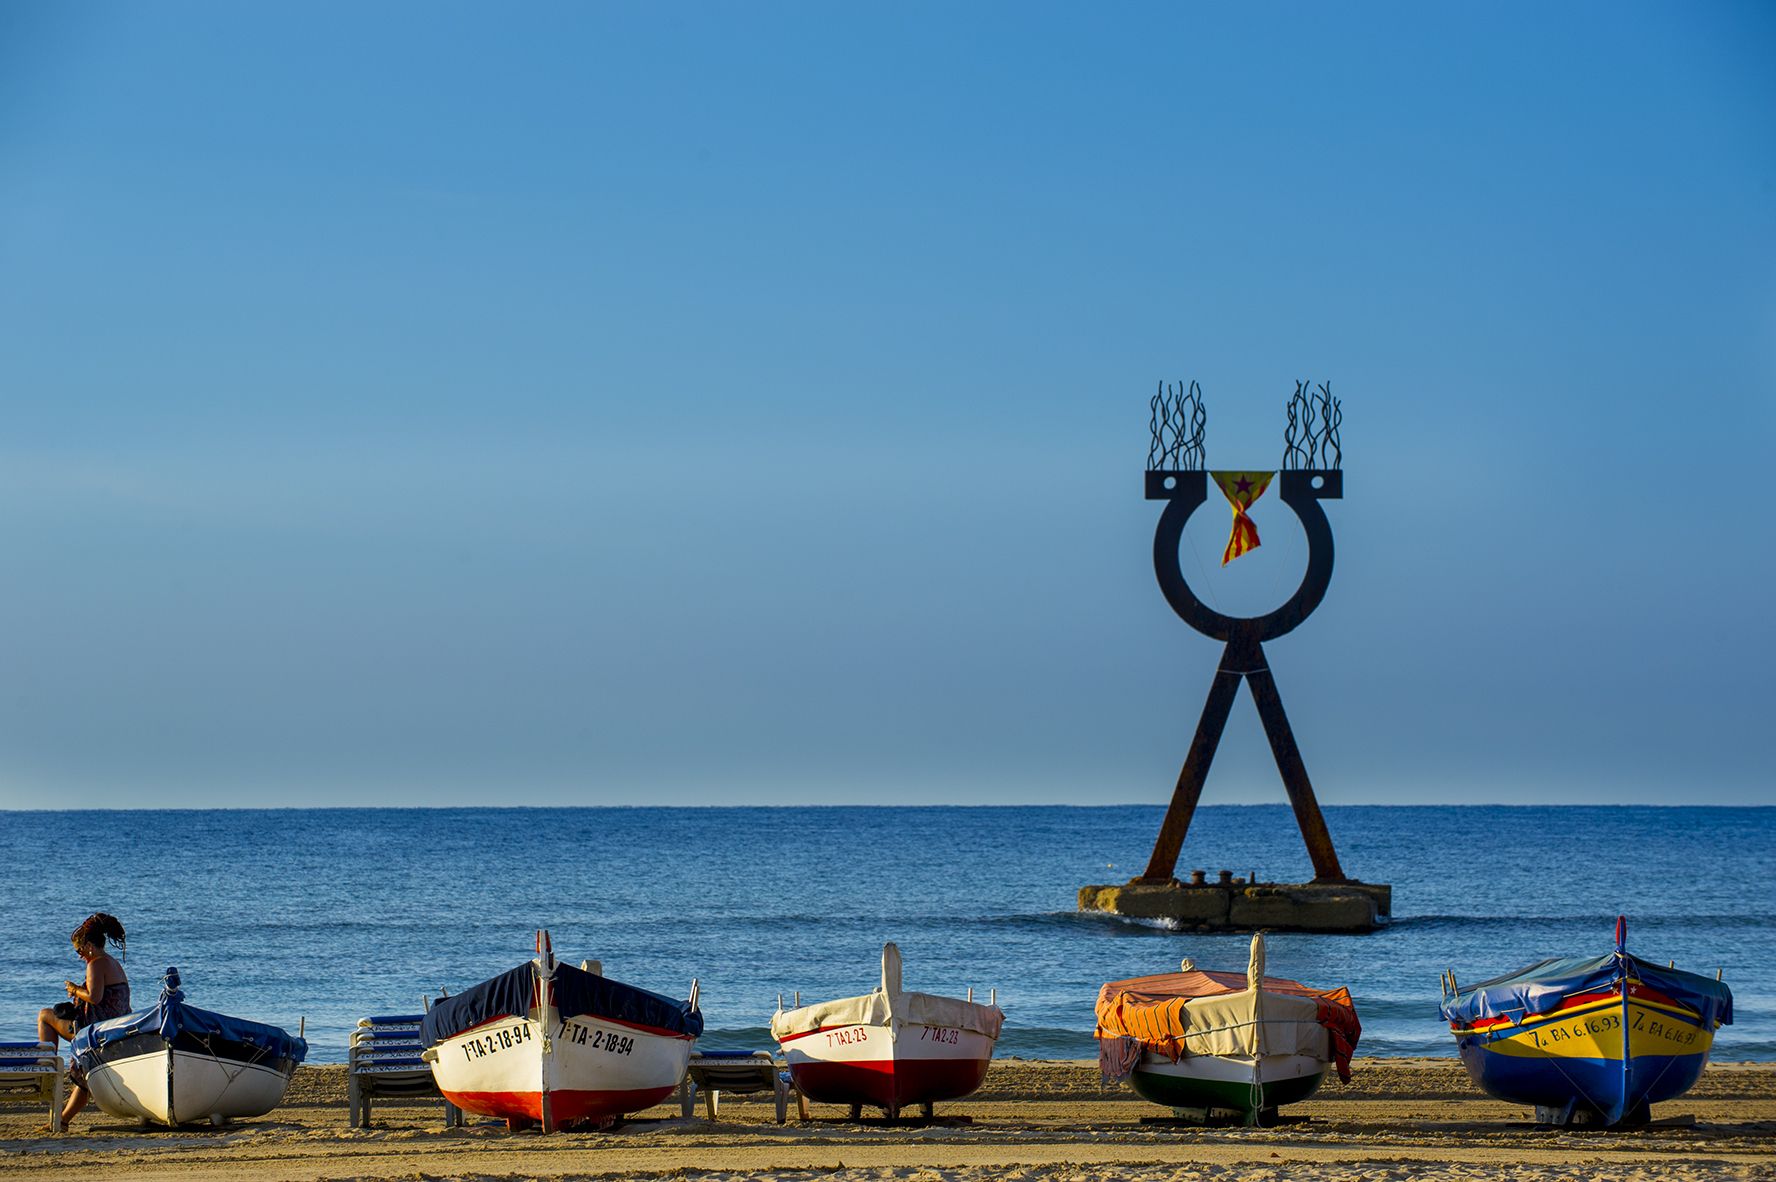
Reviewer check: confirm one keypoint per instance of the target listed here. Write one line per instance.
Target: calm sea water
(335, 914)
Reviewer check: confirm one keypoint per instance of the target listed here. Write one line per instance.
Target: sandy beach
(1034, 1121)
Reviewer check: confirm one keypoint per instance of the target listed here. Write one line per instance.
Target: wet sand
(1033, 1122)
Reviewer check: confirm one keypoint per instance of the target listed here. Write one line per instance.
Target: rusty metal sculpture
(1311, 441)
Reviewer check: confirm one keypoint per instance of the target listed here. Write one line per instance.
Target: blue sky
(431, 403)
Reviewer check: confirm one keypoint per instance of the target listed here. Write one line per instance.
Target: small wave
(1096, 923)
(427, 924)
(1604, 923)
(736, 1038)
(1405, 1048)
(1422, 1007)
(1046, 1042)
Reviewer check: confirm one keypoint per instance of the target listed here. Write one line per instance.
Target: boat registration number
(495, 1041)
(846, 1037)
(948, 1035)
(596, 1039)
(1672, 1032)
(1576, 1028)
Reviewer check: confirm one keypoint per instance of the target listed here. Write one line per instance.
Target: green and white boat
(1205, 1043)
(1251, 1088)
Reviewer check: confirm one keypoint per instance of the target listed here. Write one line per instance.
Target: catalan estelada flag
(1241, 489)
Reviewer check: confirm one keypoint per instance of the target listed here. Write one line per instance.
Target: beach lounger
(33, 1071)
(384, 1061)
(738, 1072)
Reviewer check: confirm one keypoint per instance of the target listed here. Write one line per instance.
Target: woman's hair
(96, 927)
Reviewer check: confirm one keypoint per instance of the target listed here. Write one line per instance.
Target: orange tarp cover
(1152, 1009)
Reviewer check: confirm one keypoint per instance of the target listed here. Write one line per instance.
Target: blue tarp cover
(1540, 988)
(171, 1017)
(576, 992)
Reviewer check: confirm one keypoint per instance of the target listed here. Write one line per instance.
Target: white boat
(177, 1064)
(889, 1048)
(551, 1045)
(1237, 1042)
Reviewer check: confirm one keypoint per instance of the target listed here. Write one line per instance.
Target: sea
(314, 918)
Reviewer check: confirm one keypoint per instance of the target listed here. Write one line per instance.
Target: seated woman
(104, 994)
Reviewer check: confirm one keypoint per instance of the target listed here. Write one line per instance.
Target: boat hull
(587, 1068)
(145, 1078)
(1248, 1087)
(888, 1068)
(1575, 1059)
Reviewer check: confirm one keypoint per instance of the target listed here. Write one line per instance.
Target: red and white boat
(889, 1049)
(552, 1045)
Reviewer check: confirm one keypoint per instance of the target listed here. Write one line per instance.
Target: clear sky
(747, 403)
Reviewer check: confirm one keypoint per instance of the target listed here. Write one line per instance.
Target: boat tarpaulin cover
(879, 1009)
(890, 1005)
(577, 993)
(1542, 986)
(171, 1017)
(1206, 1013)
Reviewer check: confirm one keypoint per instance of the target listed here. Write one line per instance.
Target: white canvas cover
(889, 1005)
(1192, 1012)
(1253, 1024)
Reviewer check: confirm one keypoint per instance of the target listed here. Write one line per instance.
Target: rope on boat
(228, 1075)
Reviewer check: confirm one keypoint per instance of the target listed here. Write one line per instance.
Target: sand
(1032, 1122)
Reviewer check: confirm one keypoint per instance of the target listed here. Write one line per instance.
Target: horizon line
(519, 808)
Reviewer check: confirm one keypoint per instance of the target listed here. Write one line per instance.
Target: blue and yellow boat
(1588, 1041)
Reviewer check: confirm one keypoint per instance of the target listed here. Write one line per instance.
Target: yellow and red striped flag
(1241, 489)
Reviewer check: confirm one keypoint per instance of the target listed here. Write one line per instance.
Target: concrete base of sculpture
(1240, 906)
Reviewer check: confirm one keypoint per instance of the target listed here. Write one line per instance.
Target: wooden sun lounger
(33, 1071)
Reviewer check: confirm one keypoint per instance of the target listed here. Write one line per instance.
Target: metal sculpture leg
(1294, 772)
(1243, 659)
(1163, 863)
